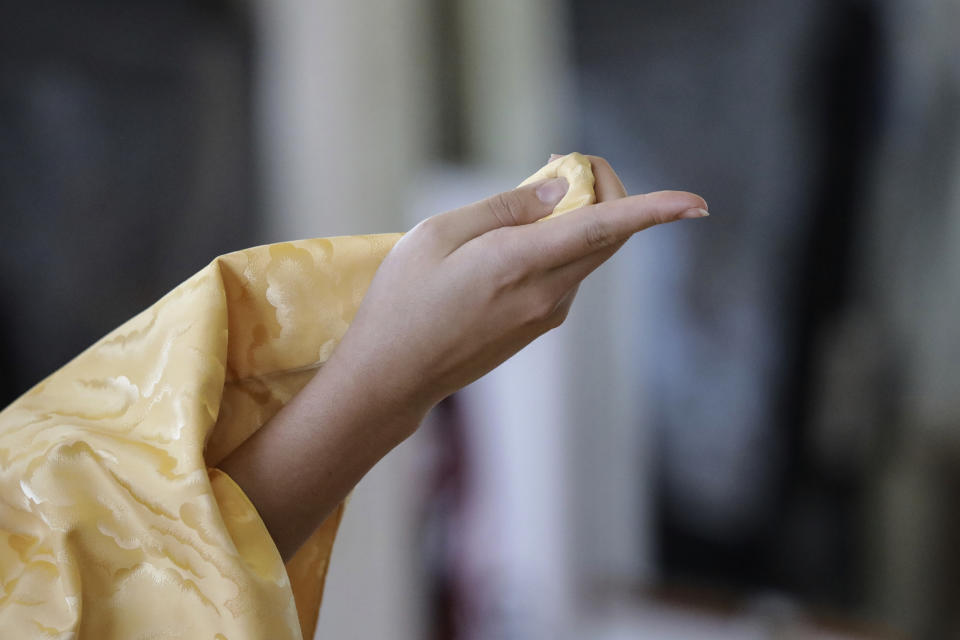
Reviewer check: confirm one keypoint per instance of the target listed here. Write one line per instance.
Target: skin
(459, 294)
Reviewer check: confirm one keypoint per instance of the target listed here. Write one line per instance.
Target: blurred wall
(126, 164)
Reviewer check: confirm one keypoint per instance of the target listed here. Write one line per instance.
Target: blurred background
(749, 427)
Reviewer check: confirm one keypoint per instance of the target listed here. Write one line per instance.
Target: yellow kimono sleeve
(114, 521)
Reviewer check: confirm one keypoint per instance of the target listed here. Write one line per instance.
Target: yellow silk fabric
(113, 525)
(575, 167)
(114, 521)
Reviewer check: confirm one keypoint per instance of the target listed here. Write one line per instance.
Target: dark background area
(126, 165)
(804, 352)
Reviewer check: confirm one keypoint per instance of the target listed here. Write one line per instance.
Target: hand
(465, 290)
(458, 295)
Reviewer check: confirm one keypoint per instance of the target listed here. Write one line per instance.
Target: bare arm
(458, 295)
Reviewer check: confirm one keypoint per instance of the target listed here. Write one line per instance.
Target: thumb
(522, 205)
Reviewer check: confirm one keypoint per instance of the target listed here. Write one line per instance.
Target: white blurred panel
(611, 444)
(520, 428)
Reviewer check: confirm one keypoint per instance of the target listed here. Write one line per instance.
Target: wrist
(379, 397)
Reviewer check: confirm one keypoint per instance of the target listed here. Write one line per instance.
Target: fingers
(510, 208)
(607, 185)
(560, 241)
(520, 206)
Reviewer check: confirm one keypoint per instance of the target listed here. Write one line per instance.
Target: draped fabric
(114, 521)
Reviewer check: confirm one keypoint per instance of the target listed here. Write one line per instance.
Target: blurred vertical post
(516, 81)
(340, 91)
(909, 280)
(341, 88)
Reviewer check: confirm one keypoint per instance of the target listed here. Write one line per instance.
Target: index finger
(586, 230)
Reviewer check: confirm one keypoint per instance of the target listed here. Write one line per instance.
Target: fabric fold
(114, 521)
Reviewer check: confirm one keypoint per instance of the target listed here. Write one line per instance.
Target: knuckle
(430, 230)
(507, 207)
(542, 307)
(562, 308)
(658, 217)
(557, 319)
(598, 235)
(508, 276)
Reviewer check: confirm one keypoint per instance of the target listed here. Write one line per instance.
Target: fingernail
(552, 191)
(693, 213)
(554, 156)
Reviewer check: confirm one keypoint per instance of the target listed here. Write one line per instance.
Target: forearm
(299, 466)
